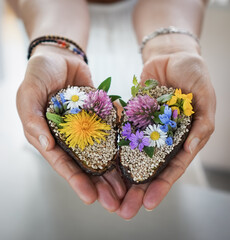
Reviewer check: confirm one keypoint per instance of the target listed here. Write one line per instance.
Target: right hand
(49, 70)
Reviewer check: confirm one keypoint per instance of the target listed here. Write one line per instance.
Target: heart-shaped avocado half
(83, 120)
(155, 124)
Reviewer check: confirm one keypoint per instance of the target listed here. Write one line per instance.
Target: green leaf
(54, 118)
(114, 97)
(151, 83)
(124, 142)
(156, 114)
(105, 85)
(149, 151)
(133, 91)
(164, 98)
(162, 109)
(170, 133)
(123, 103)
(135, 81)
(156, 117)
(157, 120)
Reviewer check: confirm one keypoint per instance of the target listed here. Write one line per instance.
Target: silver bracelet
(168, 30)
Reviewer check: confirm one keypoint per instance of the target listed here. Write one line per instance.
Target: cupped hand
(185, 70)
(48, 71)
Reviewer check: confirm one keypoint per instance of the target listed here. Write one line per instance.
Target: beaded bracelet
(60, 42)
(168, 30)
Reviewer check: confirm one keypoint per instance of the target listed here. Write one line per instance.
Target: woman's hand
(179, 66)
(49, 70)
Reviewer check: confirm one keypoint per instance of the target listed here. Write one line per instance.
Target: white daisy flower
(74, 97)
(156, 136)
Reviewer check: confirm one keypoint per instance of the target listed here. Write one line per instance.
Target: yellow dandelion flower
(82, 129)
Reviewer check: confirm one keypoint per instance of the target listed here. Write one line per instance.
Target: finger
(119, 109)
(116, 182)
(203, 124)
(33, 120)
(82, 76)
(132, 202)
(68, 169)
(160, 186)
(106, 195)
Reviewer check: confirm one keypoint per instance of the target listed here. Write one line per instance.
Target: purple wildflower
(138, 140)
(140, 110)
(175, 114)
(98, 102)
(127, 130)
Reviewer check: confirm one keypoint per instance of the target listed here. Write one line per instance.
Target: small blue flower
(75, 110)
(172, 124)
(63, 100)
(169, 141)
(54, 100)
(62, 97)
(164, 118)
(164, 128)
(57, 105)
(168, 111)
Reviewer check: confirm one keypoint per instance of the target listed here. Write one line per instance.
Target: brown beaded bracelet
(61, 42)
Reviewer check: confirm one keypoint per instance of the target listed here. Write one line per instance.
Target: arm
(174, 60)
(54, 17)
(49, 69)
(154, 14)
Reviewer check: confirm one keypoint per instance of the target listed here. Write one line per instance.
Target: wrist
(48, 50)
(169, 44)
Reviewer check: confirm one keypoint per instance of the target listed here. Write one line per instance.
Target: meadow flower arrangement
(155, 122)
(83, 121)
(154, 125)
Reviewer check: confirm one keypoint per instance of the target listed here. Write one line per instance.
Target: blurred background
(35, 203)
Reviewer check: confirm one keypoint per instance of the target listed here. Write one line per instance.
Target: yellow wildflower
(82, 129)
(179, 98)
(189, 96)
(172, 101)
(187, 108)
(178, 94)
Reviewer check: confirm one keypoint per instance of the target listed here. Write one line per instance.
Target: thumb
(31, 112)
(199, 135)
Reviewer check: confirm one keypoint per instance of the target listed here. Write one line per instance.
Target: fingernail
(43, 141)
(148, 210)
(193, 145)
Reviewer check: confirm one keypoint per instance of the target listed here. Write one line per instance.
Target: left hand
(179, 67)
